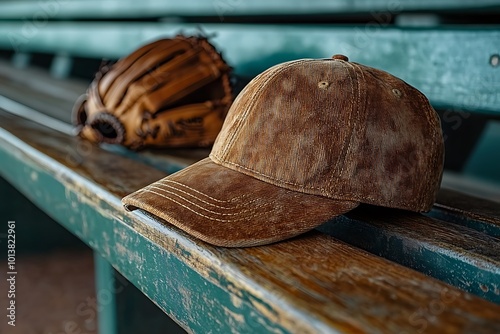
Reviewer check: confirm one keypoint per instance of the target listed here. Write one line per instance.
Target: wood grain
(457, 255)
(480, 214)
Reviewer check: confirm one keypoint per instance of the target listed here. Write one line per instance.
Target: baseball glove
(169, 93)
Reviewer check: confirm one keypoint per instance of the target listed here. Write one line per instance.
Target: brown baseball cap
(305, 141)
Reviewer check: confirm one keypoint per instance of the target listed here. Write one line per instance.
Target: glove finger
(195, 125)
(123, 64)
(89, 133)
(168, 51)
(186, 81)
(78, 113)
(83, 114)
(92, 104)
(80, 118)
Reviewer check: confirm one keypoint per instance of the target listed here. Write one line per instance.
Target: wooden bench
(373, 270)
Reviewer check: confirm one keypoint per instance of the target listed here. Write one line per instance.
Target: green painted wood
(312, 284)
(53, 9)
(434, 61)
(457, 255)
(160, 273)
(106, 295)
(475, 213)
(35, 231)
(136, 313)
(458, 217)
(123, 309)
(484, 162)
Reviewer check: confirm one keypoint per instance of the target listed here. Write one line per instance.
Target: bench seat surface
(314, 283)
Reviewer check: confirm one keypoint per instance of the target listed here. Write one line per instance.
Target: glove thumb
(104, 128)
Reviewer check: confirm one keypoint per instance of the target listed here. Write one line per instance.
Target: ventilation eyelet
(397, 92)
(323, 84)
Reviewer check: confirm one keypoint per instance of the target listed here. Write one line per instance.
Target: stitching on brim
(203, 194)
(346, 197)
(205, 216)
(199, 199)
(201, 207)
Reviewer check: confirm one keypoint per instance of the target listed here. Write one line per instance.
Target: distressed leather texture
(305, 141)
(227, 208)
(169, 93)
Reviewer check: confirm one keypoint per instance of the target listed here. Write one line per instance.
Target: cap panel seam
(432, 120)
(349, 197)
(347, 147)
(342, 156)
(265, 175)
(237, 131)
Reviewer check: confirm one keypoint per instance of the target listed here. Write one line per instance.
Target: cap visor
(227, 208)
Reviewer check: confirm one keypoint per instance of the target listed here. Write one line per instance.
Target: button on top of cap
(340, 57)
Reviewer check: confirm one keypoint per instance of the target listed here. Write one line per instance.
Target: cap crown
(337, 129)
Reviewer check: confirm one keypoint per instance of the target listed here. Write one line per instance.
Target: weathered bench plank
(156, 8)
(457, 255)
(35, 88)
(476, 213)
(32, 88)
(426, 58)
(314, 283)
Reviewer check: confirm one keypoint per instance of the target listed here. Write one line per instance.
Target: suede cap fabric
(305, 141)
(227, 208)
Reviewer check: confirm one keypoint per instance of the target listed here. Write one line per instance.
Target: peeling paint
(236, 320)
(235, 300)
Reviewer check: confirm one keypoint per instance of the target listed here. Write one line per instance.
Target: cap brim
(227, 208)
